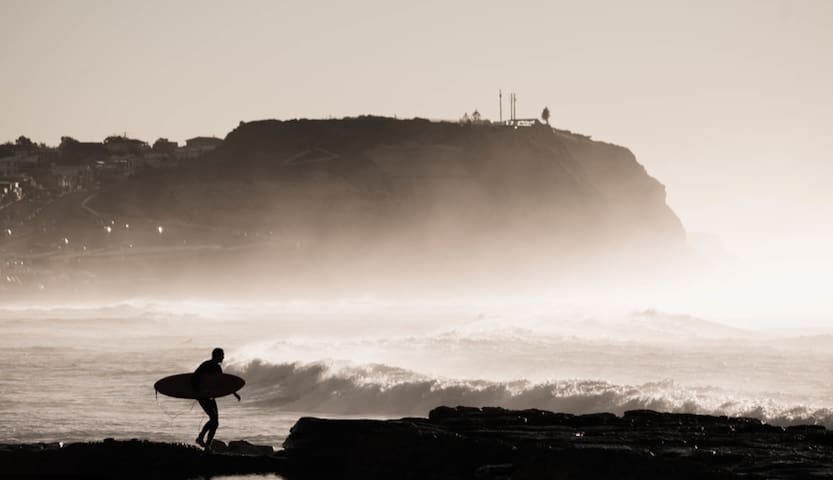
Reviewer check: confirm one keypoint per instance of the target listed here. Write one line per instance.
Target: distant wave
(389, 391)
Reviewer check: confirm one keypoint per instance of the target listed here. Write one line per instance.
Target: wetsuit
(209, 405)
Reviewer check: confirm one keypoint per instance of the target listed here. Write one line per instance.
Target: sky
(729, 103)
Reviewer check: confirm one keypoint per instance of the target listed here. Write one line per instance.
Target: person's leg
(213, 422)
(207, 407)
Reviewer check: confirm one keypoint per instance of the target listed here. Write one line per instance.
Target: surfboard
(212, 385)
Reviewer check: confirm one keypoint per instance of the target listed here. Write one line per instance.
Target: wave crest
(384, 390)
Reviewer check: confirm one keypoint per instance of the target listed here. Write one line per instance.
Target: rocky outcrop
(531, 444)
(486, 177)
(134, 459)
(466, 443)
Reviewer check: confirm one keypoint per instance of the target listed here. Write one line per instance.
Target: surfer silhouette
(209, 405)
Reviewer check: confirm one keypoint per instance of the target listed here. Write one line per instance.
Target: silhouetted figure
(209, 405)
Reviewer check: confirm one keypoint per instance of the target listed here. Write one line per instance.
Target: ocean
(86, 372)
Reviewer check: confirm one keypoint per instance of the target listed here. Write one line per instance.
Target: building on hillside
(71, 177)
(203, 142)
(122, 145)
(523, 122)
(194, 147)
(163, 146)
(18, 164)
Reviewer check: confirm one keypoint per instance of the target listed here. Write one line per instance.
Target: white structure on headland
(514, 121)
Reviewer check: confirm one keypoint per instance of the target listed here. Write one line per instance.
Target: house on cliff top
(194, 147)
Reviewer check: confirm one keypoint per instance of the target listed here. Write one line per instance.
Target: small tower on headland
(513, 102)
(513, 120)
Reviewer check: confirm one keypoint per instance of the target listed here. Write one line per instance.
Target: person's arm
(195, 378)
(220, 369)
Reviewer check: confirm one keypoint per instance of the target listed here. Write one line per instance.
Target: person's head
(217, 355)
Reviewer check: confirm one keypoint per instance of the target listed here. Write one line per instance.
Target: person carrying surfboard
(209, 405)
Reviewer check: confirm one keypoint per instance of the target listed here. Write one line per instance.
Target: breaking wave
(389, 391)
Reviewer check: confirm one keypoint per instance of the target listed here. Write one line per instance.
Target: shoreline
(464, 442)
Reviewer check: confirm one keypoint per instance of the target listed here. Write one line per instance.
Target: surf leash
(171, 417)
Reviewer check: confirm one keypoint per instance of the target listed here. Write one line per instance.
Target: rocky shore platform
(466, 443)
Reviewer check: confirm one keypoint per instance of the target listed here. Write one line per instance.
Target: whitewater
(87, 372)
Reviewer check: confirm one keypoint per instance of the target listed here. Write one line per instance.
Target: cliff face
(440, 190)
(493, 179)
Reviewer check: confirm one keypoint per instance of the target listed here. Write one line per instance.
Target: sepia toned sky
(728, 102)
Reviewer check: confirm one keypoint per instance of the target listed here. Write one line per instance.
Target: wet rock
(494, 472)
(805, 429)
(132, 459)
(465, 443)
(496, 443)
(242, 447)
(218, 446)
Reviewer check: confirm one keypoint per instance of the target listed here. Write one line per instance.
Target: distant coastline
(344, 195)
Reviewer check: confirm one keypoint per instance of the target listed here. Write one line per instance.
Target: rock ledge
(466, 443)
